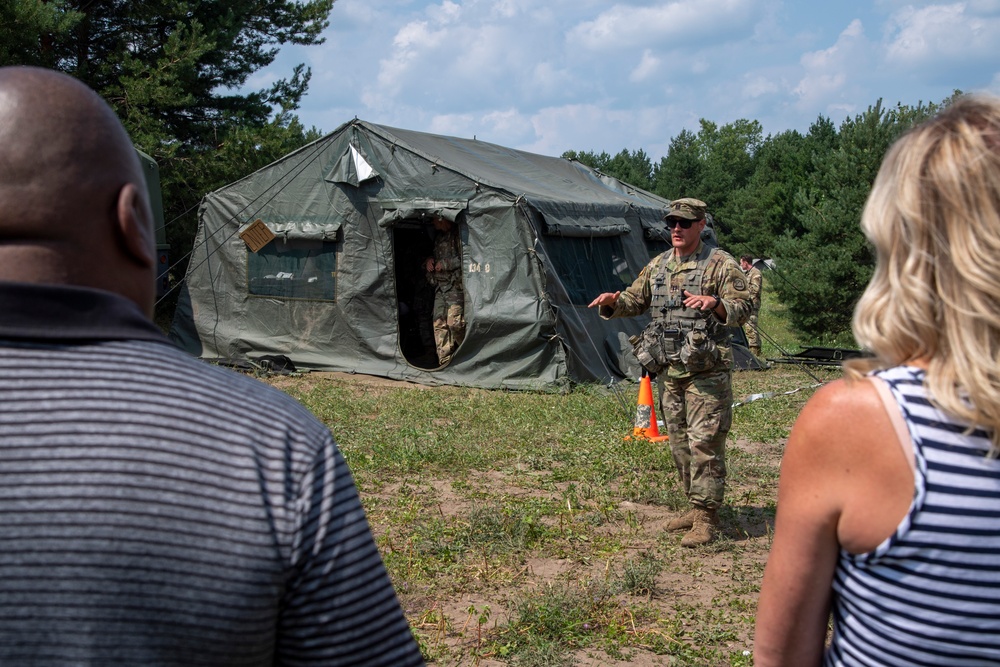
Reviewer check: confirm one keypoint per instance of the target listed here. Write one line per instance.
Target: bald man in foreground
(154, 509)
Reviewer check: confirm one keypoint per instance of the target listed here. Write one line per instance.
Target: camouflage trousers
(750, 329)
(449, 329)
(698, 413)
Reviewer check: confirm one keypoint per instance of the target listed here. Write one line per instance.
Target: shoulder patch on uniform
(739, 284)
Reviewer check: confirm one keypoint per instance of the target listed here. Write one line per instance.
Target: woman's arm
(845, 483)
(794, 603)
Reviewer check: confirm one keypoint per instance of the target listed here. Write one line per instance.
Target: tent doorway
(413, 243)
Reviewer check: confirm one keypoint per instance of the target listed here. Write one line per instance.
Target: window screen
(294, 269)
(589, 266)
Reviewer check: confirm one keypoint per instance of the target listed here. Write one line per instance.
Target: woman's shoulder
(845, 419)
(856, 399)
(845, 448)
(843, 399)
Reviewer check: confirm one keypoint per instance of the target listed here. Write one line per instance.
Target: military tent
(340, 287)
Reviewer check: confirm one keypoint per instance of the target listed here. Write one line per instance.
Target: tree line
(790, 197)
(171, 69)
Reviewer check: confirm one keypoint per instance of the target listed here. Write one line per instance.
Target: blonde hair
(933, 216)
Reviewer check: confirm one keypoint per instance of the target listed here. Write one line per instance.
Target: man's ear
(135, 226)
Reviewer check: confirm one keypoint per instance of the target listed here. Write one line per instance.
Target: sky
(548, 76)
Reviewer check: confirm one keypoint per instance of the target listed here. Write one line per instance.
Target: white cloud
(547, 77)
(842, 109)
(699, 65)
(507, 127)
(414, 35)
(827, 72)
(460, 56)
(605, 75)
(558, 129)
(510, 125)
(478, 54)
(839, 52)
(818, 86)
(446, 13)
(647, 66)
(456, 125)
(678, 22)
(355, 11)
(508, 9)
(475, 56)
(929, 35)
(409, 42)
(756, 85)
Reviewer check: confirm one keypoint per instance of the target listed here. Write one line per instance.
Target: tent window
(294, 269)
(589, 266)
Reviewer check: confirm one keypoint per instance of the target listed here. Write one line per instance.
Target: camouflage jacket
(723, 279)
(755, 280)
(448, 252)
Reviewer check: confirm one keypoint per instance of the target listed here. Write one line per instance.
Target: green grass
(777, 336)
(522, 527)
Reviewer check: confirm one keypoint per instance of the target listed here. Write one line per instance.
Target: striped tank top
(930, 593)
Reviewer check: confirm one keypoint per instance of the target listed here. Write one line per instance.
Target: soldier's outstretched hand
(606, 299)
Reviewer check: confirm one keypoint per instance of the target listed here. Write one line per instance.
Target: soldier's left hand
(700, 301)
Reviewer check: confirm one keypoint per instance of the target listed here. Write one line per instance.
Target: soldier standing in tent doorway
(695, 292)
(444, 271)
(755, 280)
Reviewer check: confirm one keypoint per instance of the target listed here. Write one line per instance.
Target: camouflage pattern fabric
(724, 279)
(449, 296)
(755, 280)
(697, 408)
(753, 338)
(698, 413)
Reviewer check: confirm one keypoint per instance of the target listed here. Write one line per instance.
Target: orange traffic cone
(645, 414)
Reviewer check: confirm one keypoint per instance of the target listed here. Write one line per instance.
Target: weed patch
(524, 529)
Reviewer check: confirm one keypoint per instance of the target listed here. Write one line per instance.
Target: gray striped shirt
(156, 510)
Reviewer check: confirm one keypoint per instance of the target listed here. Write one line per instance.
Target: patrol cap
(686, 208)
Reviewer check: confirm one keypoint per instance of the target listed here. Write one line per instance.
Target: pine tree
(678, 174)
(828, 264)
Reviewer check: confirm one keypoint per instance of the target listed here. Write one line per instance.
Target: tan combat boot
(703, 530)
(682, 522)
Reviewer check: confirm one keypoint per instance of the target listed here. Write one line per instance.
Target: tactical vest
(678, 335)
(667, 303)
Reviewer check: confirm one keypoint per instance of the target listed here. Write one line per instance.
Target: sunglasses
(673, 222)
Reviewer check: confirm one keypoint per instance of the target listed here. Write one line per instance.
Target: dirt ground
(708, 591)
(695, 583)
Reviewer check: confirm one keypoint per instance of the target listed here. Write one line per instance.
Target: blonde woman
(889, 498)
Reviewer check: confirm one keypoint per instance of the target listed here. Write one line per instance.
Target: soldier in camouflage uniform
(755, 280)
(694, 292)
(444, 271)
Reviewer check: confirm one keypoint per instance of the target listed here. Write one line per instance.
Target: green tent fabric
(341, 288)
